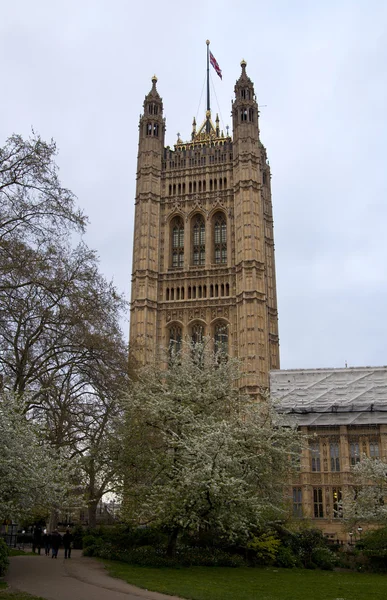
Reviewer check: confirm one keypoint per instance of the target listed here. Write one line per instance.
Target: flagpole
(208, 84)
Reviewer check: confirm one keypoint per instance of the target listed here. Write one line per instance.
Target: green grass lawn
(6, 594)
(216, 583)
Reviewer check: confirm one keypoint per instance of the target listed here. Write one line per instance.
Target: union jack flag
(214, 63)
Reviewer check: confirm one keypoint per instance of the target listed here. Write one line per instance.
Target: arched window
(177, 242)
(199, 243)
(220, 239)
(221, 338)
(197, 333)
(175, 339)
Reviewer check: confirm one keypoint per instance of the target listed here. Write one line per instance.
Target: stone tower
(203, 257)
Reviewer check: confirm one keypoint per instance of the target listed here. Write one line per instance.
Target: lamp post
(360, 529)
(350, 537)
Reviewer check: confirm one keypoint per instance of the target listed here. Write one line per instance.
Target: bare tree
(61, 346)
(33, 204)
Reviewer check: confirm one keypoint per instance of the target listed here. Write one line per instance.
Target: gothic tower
(203, 257)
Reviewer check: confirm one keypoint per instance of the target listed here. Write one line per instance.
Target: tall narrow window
(177, 242)
(318, 503)
(354, 453)
(297, 502)
(221, 338)
(315, 456)
(197, 334)
(220, 239)
(334, 451)
(175, 338)
(336, 503)
(199, 241)
(374, 449)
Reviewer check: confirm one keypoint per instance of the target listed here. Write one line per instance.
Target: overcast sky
(78, 71)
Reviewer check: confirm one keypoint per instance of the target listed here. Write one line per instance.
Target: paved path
(79, 578)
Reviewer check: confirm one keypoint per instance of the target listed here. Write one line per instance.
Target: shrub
(324, 559)
(4, 560)
(264, 547)
(286, 559)
(374, 548)
(91, 545)
(78, 534)
(207, 557)
(155, 556)
(304, 543)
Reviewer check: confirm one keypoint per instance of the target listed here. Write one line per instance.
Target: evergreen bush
(4, 560)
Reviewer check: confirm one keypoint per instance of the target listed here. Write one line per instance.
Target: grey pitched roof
(350, 396)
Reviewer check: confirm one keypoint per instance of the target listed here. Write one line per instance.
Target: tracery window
(374, 449)
(175, 340)
(315, 456)
(220, 239)
(197, 333)
(177, 242)
(297, 502)
(334, 451)
(354, 453)
(336, 501)
(221, 338)
(318, 506)
(199, 241)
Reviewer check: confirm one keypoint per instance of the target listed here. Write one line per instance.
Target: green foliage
(151, 556)
(324, 559)
(4, 561)
(78, 534)
(91, 545)
(304, 542)
(285, 558)
(265, 547)
(374, 547)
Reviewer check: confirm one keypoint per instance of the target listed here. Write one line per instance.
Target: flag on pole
(214, 63)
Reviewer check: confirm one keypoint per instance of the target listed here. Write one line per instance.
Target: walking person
(56, 541)
(67, 543)
(46, 543)
(37, 539)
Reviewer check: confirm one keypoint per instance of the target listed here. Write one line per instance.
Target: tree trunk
(53, 520)
(92, 514)
(172, 541)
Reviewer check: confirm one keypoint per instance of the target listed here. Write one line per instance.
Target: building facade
(344, 414)
(203, 252)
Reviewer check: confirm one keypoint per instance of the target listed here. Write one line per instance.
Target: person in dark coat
(37, 539)
(67, 543)
(55, 542)
(46, 543)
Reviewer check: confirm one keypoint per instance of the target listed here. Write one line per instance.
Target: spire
(153, 94)
(244, 107)
(193, 128)
(152, 123)
(244, 80)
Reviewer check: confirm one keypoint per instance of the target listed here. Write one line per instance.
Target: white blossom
(201, 454)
